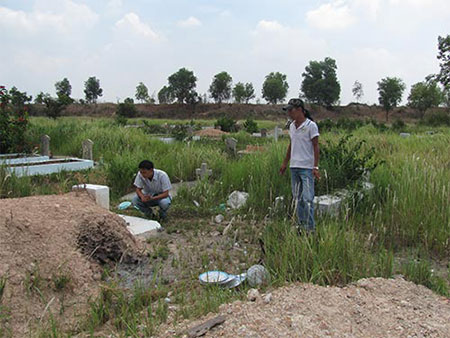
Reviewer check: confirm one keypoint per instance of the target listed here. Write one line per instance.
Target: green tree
(239, 92)
(444, 57)
(390, 90)
(320, 84)
(357, 90)
(275, 87)
(220, 87)
(424, 95)
(54, 106)
(249, 92)
(127, 108)
(182, 84)
(18, 99)
(142, 93)
(63, 87)
(165, 95)
(92, 90)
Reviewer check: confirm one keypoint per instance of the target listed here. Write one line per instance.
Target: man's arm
(162, 195)
(315, 142)
(144, 198)
(286, 160)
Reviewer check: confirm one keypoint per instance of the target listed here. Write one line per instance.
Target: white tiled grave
(138, 226)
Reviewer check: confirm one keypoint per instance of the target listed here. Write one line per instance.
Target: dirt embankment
(236, 111)
(51, 251)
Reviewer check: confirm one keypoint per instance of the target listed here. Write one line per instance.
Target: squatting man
(303, 154)
(152, 189)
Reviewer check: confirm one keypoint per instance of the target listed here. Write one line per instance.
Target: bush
(345, 162)
(398, 125)
(150, 128)
(251, 126)
(13, 126)
(348, 124)
(437, 118)
(127, 108)
(226, 124)
(326, 125)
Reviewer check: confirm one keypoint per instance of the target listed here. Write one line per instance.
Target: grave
(29, 165)
(231, 144)
(256, 134)
(263, 132)
(203, 171)
(404, 135)
(100, 193)
(140, 226)
(277, 133)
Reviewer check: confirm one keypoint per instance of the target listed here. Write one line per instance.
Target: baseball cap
(294, 103)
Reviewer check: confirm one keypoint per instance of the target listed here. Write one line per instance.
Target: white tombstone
(140, 226)
(277, 132)
(45, 145)
(203, 171)
(100, 193)
(405, 135)
(87, 150)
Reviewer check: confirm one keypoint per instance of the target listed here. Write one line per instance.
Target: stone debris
(253, 295)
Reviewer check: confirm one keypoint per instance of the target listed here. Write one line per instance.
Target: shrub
(226, 124)
(127, 108)
(349, 124)
(326, 125)
(13, 125)
(398, 125)
(251, 126)
(151, 128)
(437, 118)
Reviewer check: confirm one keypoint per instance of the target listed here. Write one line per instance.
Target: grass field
(401, 226)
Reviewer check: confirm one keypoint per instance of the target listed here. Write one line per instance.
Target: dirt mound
(373, 307)
(210, 132)
(50, 249)
(104, 239)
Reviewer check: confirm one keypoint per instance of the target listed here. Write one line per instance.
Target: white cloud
(333, 15)
(69, 17)
(190, 22)
(268, 26)
(132, 24)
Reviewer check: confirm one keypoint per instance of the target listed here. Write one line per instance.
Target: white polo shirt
(160, 182)
(302, 151)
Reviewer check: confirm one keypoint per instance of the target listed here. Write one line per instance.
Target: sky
(124, 42)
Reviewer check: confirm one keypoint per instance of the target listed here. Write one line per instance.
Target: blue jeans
(146, 207)
(302, 181)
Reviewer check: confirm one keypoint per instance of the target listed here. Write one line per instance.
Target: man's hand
(283, 168)
(316, 173)
(146, 198)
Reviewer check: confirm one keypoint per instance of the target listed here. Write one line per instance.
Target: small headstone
(203, 171)
(405, 134)
(257, 275)
(87, 150)
(231, 144)
(277, 132)
(100, 193)
(263, 132)
(256, 134)
(190, 131)
(45, 145)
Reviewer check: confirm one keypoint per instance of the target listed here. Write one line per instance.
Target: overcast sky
(124, 42)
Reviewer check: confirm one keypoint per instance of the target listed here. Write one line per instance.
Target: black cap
(294, 103)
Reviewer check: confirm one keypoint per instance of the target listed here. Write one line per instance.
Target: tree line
(319, 85)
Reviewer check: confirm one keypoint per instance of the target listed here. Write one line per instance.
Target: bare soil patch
(51, 250)
(373, 307)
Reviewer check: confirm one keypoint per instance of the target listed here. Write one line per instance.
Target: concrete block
(327, 204)
(100, 193)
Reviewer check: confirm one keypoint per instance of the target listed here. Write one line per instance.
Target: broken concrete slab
(140, 226)
(327, 204)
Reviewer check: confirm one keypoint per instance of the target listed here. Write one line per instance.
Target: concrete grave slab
(327, 204)
(138, 226)
(100, 193)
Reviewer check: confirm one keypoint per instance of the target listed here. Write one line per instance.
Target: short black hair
(146, 164)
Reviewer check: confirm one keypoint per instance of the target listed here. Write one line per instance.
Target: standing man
(303, 154)
(152, 189)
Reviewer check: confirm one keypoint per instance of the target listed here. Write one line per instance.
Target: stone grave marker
(203, 171)
(231, 144)
(263, 132)
(87, 150)
(277, 132)
(45, 145)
